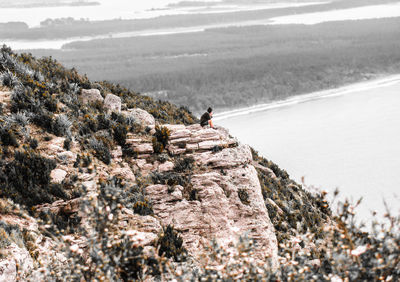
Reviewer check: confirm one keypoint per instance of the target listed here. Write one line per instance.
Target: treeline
(80, 28)
(237, 67)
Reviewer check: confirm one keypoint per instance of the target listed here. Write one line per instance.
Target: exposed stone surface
(112, 103)
(141, 116)
(145, 148)
(90, 96)
(61, 207)
(167, 166)
(218, 212)
(184, 139)
(124, 173)
(58, 175)
(17, 265)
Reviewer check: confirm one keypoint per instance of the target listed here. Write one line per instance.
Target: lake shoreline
(380, 81)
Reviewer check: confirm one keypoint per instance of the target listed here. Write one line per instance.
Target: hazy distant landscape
(44, 3)
(241, 66)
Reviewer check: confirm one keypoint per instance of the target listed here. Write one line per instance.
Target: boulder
(58, 175)
(142, 117)
(167, 166)
(112, 103)
(91, 96)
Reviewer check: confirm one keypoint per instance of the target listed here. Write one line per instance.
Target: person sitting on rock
(205, 119)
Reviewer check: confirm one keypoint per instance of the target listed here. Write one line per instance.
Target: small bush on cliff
(26, 179)
(9, 234)
(170, 244)
(160, 139)
(244, 196)
(184, 164)
(101, 150)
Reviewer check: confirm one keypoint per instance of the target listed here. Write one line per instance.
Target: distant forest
(234, 67)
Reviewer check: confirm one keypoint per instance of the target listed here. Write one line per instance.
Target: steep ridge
(92, 173)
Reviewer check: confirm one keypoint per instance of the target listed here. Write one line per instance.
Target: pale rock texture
(141, 116)
(124, 173)
(218, 212)
(18, 264)
(90, 96)
(58, 175)
(167, 166)
(112, 103)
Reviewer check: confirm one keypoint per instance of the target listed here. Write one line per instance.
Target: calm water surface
(351, 142)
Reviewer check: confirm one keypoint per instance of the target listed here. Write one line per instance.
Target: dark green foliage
(66, 223)
(33, 143)
(170, 178)
(120, 131)
(7, 137)
(61, 126)
(160, 139)
(101, 150)
(184, 164)
(67, 144)
(300, 208)
(26, 179)
(10, 234)
(82, 160)
(44, 120)
(244, 196)
(170, 244)
(143, 207)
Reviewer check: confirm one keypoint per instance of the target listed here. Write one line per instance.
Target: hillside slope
(99, 183)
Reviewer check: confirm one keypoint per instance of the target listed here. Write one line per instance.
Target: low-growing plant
(102, 152)
(184, 164)
(26, 179)
(170, 244)
(244, 196)
(62, 126)
(9, 79)
(10, 234)
(160, 139)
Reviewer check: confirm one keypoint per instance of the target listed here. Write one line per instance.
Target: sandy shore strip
(348, 89)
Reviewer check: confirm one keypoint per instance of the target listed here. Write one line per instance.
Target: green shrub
(102, 152)
(170, 244)
(244, 196)
(184, 164)
(33, 143)
(120, 131)
(10, 234)
(8, 137)
(61, 126)
(26, 179)
(160, 139)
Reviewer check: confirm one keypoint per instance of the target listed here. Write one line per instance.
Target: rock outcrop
(91, 96)
(228, 202)
(112, 103)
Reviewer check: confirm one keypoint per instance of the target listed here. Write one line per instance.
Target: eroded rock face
(228, 202)
(112, 103)
(91, 96)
